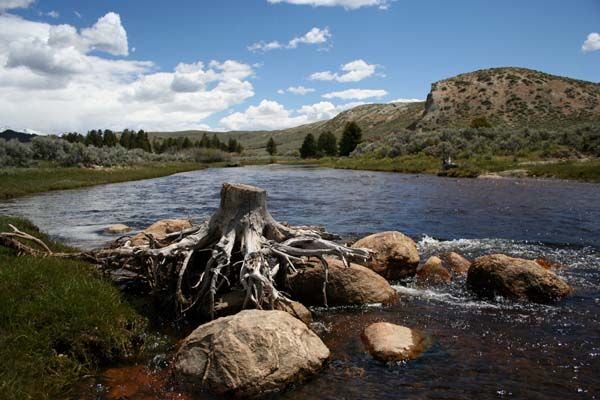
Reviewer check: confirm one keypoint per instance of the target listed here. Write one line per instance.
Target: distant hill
(375, 120)
(9, 134)
(511, 97)
(504, 97)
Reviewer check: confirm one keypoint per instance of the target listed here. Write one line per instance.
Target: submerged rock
(389, 342)
(354, 285)
(500, 275)
(160, 229)
(249, 353)
(117, 229)
(396, 255)
(433, 272)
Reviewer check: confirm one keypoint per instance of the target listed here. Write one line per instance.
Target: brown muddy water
(479, 349)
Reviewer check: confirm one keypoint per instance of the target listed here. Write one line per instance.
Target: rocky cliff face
(512, 97)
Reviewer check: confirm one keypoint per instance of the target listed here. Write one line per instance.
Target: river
(480, 349)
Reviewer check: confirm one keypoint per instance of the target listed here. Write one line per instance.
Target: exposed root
(241, 245)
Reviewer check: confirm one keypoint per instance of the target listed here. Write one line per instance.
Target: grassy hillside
(374, 119)
(511, 97)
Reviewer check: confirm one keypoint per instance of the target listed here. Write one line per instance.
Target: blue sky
(137, 63)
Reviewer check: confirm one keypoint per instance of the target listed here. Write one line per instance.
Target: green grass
(588, 171)
(16, 182)
(406, 164)
(58, 321)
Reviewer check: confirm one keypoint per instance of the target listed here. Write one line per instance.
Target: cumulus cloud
(10, 4)
(347, 4)
(314, 36)
(299, 90)
(107, 35)
(358, 94)
(592, 43)
(406, 101)
(353, 71)
(54, 78)
(270, 115)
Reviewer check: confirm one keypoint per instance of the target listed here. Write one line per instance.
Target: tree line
(326, 144)
(130, 140)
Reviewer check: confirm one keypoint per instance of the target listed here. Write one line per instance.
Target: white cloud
(51, 80)
(53, 14)
(347, 4)
(10, 4)
(299, 90)
(592, 43)
(77, 14)
(265, 46)
(270, 115)
(406, 101)
(107, 35)
(353, 71)
(314, 36)
(358, 94)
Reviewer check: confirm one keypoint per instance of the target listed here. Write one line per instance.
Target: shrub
(15, 154)
(480, 122)
(202, 155)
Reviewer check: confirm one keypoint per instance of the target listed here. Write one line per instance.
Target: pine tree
(309, 147)
(205, 141)
(327, 144)
(351, 137)
(271, 147)
(125, 140)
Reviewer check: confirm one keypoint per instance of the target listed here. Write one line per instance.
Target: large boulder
(500, 275)
(396, 255)
(232, 302)
(160, 229)
(250, 353)
(389, 342)
(353, 285)
(433, 273)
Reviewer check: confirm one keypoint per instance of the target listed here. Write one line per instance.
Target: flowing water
(480, 349)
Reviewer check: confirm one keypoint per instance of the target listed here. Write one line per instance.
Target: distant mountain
(511, 97)
(24, 137)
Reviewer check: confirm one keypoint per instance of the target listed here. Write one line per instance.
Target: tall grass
(58, 320)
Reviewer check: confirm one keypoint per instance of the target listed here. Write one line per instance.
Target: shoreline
(19, 182)
(587, 171)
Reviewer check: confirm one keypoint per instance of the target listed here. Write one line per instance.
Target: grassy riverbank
(586, 170)
(58, 320)
(15, 182)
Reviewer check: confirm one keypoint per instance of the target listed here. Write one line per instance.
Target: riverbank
(15, 182)
(60, 321)
(578, 170)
